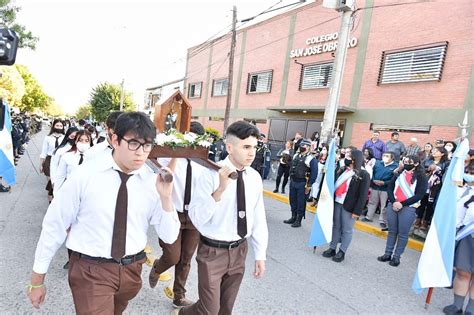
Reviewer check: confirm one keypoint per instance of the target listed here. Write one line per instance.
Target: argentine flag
(435, 267)
(322, 227)
(7, 166)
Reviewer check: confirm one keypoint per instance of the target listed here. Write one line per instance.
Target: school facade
(409, 68)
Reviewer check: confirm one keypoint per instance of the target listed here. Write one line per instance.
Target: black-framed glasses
(134, 145)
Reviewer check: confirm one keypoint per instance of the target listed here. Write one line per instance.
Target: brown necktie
(241, 211)
(187, 187)
(120, 222)
(81, 159)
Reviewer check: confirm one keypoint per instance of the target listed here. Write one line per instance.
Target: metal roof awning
(165, 84)
(309, 109)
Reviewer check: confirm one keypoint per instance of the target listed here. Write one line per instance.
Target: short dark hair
(242, 130)
(391, 153)
(197, 128)
(82, 122)
(110, 122)
(136, 123)
(395, 134)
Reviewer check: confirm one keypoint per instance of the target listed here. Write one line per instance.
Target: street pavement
(297, 281)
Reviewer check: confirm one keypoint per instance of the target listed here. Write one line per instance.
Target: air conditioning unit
(339, 5)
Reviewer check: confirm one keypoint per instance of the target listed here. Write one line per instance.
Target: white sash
(407, 189)
(343, 178)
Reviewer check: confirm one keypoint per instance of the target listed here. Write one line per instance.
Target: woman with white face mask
(450, 146)
(73, 158)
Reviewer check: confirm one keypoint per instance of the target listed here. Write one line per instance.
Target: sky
(144, 42)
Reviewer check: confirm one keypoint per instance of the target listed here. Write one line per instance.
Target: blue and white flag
(435, 267)
(322, 227)
(7, 165)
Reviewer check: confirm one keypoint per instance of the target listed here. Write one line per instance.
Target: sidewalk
(368, 227)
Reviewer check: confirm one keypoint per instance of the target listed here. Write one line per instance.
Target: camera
(8, 46)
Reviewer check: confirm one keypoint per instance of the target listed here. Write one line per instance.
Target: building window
(316, 76)
(260, 82)
(195, 90)
(415, 65)
(219, 87)
(401, 128)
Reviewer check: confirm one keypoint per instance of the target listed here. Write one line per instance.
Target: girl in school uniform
(352, 187)
(73, 158)
(50, 143)
(64, 146)
(405, 192)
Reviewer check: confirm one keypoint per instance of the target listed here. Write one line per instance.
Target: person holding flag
(7, 164)
(464, 254)
(404, 193)
(351, 190)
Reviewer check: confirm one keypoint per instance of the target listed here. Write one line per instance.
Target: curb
(361, 226)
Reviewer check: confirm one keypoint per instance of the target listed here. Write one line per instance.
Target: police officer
(258, 162)
(303, 163)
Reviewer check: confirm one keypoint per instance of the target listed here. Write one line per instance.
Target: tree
(83, 112)
(53, 109)
(34, 97)
(12, 86)
(105, 98)
(8, 14)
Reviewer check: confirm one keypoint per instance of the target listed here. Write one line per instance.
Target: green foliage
(12, 86)
(34, 98)
(53, 109)
(105, 98)
(8, 14)
(83, 112)
(213, 131)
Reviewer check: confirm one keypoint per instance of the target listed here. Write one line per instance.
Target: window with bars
(260, 82)
(316, 76)
(219, 87)
(195, 90)
(415, 65)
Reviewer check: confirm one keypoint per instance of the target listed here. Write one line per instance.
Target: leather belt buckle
(232, 244)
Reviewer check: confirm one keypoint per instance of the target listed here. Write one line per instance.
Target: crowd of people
(103, 197)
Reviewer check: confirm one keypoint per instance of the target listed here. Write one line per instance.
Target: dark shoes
(153, 277)
(283, 191)
(291, 220)
(383, 226)
(339, 256)
(4, 188)
(180, 303)
(276, 191)
(394, 262)
(66, 265)
(297, 222)
(366, 220)
(384, 258)
(452, 309)
(328, 253)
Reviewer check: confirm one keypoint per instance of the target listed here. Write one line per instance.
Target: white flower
(190, 137)
(161, 138)
(204, 143)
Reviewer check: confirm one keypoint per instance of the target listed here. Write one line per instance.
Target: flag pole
(428, 298)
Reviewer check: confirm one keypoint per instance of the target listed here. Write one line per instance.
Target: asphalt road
(297, 280)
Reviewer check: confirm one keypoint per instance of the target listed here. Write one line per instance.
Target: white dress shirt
(49, 145)
(97, 150)
(179, 179)
(68, 163)
(55, 159)
(218, 220)
(86, 203)
(464, 215)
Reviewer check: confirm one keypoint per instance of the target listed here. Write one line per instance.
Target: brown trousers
(103, 288)
(220, 273)
(179, 254)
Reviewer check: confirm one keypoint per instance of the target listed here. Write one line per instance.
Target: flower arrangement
(174, 139)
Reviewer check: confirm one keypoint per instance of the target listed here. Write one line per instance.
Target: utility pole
(338, 70)
(231, 69)
(122, 95)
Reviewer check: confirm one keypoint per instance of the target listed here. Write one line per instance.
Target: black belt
(222, 244)
(127, 260)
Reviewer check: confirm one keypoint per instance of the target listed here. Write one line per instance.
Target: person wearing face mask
(382, 174)
(285, 156)
(351, 189)
(50, 143)
(303, 163)
(463, 257)
(64, 146)
(450, 147)
(316, 187)
(404, 194)
(104, 147)
(73, 158)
